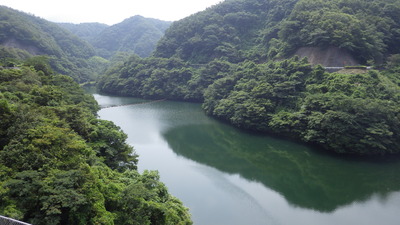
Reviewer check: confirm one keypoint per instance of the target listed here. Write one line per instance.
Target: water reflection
(305, 178)
(226, 176)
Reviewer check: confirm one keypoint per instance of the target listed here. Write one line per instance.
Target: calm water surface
(229, 177)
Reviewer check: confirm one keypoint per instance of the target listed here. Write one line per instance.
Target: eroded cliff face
(328, 57)
(14, 43)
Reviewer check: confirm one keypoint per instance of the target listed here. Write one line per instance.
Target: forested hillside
(368, 29)
(234, 58)
(239, 30)
(60, 164)
(67, 53)
(233, 30)
(136, 35)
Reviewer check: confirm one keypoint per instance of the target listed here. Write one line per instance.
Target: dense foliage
(237, 30)
(368, 29)
(67, 53)
(159, 78)
(232, 30)
(138, 77)
(346, 113)
(60, 164)
(10, 57)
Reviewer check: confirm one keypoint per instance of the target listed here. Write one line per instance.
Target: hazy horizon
(108, 12)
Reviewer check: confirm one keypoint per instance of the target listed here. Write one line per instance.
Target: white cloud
(109, 12)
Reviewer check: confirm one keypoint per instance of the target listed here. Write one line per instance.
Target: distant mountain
(86, 31)
(67, 53)
(137, 35)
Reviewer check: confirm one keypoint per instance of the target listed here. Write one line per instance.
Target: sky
(108, 11)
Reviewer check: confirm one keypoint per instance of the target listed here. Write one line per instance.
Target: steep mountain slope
(67, 53)
(261, 29)
(368, 29)
(137, 35)
(234, 30)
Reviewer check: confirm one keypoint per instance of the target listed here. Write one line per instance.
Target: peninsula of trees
(236, 58)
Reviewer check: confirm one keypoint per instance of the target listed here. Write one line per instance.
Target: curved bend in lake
(226, 176)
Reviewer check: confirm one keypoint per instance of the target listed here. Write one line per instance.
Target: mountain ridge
(135, 35)
(65, 51)
(74, 48)
(86, 31)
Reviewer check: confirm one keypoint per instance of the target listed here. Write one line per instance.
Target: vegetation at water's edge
(226, 57)
(60, 164)
(346, 113)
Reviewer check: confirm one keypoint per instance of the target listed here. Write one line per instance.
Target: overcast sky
(106, 11)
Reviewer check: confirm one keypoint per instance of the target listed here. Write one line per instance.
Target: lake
(226, 176)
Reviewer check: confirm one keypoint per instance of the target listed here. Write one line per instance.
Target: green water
(227, 176)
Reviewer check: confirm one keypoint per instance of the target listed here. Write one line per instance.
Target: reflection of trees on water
(305, 178)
